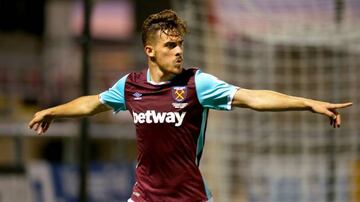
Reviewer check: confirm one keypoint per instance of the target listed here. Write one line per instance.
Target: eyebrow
(179, 41)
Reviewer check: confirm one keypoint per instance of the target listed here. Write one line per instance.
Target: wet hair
(167, 21)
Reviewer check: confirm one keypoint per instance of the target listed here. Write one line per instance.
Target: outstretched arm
(264, 100)
(80, 107)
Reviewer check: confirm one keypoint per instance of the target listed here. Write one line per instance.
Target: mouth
(179, 60)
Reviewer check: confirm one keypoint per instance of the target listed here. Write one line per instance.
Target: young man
(169, 106)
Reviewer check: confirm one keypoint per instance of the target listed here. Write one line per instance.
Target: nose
(179, 50)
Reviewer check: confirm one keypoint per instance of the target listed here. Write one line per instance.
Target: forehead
(168, 36)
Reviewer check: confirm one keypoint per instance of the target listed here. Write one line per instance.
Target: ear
(149, 50)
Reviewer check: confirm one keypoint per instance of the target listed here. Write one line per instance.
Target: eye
(170, 45)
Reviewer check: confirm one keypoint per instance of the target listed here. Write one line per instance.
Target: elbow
(87, 105)
(92, 112)
(251, 105)
(256, 106)
(245, 98)
(85, 110)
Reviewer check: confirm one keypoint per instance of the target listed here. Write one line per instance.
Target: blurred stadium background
(308, 48)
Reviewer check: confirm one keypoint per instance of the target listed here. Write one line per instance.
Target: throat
(158, 76)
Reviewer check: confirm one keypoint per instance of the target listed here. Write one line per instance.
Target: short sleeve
(212, 92)
(115, 96)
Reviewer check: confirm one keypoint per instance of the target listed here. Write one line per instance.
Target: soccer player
(169, 105)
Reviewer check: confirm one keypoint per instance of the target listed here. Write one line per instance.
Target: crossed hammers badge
(179, 93)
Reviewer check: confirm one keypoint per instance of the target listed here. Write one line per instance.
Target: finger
(41, 128)
(39, 131)
(36, 126)
(341, 105)
(338, 121)
(43, 124)
(31, 124)
(330, 114)
(46, 127)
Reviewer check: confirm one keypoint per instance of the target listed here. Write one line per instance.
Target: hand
(41, 122)
(329, 109)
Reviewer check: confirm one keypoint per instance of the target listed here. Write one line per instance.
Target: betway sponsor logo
(150, 116)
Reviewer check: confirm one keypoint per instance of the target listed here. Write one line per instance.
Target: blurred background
(308, 48)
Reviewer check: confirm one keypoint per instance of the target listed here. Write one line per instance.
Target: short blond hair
(167, 21)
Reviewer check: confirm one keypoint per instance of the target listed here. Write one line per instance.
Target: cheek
(163, 55)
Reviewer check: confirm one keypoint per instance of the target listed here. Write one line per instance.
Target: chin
(177, 69)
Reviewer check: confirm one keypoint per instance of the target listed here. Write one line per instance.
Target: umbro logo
(137, 96)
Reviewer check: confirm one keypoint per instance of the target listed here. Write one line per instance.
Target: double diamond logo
(137, 96)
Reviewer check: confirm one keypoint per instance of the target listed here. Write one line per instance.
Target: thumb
(33, 122)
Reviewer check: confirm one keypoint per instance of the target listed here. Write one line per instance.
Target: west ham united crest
(179, 93)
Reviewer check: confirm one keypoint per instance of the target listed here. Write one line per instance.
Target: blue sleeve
(212, 92)
(115, 96)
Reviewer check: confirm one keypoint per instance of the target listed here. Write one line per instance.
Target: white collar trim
(148, 79)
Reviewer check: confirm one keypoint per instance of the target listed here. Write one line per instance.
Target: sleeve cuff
(104, 102)
(231, 98)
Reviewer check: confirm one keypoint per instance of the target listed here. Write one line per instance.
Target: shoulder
(209, 83)
(186, 77)
(199, 78)
(190, 71)
(137, 76)
(205, 78)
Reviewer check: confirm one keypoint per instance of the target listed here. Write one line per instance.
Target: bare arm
(264, 100)
(80, 107)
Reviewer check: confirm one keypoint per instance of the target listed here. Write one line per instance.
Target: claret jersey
(170, 120)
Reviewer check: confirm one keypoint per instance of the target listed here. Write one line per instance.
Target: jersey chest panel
(172, 104)
(168, 120)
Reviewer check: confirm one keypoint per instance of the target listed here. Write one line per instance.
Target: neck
(157, 75)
